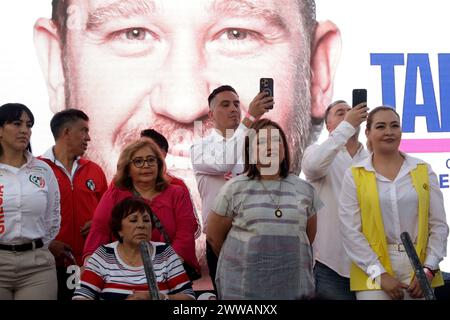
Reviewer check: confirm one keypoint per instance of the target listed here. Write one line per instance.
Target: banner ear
(49, 52)
(326, 51)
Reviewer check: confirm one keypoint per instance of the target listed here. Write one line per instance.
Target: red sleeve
(186, 226)
(104, 184)
(100, 232)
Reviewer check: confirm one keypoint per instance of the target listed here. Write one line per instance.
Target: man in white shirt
(219, 156)
(324, 166)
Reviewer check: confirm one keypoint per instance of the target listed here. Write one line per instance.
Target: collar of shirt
(50, 155)
(218, 137)
(410, 162)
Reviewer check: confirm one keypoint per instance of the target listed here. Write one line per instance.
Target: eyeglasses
(139, 162)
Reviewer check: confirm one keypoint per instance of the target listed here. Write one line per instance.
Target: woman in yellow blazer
(383, 196)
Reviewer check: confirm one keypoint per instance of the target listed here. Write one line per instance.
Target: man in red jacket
(81, 184)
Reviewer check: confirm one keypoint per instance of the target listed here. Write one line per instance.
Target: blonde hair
(122, 178)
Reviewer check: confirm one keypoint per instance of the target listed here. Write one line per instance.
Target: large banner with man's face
(137, 64)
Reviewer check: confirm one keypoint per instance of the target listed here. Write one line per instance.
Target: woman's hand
(145, 295)
(414, 289)
(139, 295)
(392, 286)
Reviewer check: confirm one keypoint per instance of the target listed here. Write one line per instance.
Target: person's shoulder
(90, 164)
(177, 182)
(162, 248)
(114, 192)
(39, 164)
(311, 148)
(299, 183)
(364, 162)
(46, 160)
(106, 251)
(414, 160)
(174, 190)
(237, 182)
(203, 140)
(242, 178)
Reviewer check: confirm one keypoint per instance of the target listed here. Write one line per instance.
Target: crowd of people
(269, 234)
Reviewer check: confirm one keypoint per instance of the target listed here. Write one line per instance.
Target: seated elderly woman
(140, 172)
(115, 271)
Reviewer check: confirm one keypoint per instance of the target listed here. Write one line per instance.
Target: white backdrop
(367, 27)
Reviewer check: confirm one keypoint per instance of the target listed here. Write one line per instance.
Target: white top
(398, 204)
(50, 155)
(324, 166)
(30, 203)
(212, 157)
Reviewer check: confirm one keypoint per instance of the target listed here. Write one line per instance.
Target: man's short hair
(159, 139)
(333, 104)
(66, 117)
(219, 90)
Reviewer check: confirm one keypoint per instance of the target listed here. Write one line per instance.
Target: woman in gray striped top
(263, 224)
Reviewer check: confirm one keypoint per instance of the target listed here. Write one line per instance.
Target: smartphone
(266, 85)
(359, 96)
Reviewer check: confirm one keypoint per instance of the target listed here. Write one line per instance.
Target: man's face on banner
(137, 64)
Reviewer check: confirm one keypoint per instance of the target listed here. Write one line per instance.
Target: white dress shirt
(398, 204)
(30, 202)
(212, 157)
(324, 166)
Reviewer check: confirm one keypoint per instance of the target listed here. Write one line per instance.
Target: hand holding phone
(356, 116)
(359, 96)
(266, 85)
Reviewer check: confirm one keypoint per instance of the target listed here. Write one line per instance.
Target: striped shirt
(266, 256)
(107, 277)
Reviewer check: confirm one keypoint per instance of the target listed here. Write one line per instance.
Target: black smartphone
(266, 85)
(359, 96)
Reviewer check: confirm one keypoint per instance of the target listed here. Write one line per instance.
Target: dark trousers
(330, 285)
(211, 259)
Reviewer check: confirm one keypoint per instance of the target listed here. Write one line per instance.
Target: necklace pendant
(278, 213)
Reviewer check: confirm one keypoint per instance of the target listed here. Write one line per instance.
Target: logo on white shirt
(37, 181)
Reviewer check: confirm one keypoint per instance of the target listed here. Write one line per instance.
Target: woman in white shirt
(383, 196)
(29, 212)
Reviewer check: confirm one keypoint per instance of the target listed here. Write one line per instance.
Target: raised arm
(318, 158)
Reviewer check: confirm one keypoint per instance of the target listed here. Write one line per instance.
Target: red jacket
(174, 209)
(78, 202)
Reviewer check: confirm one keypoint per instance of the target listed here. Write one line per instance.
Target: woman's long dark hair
(11, 112)
(250, 168)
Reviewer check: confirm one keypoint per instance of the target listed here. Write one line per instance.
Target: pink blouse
(174, 209)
